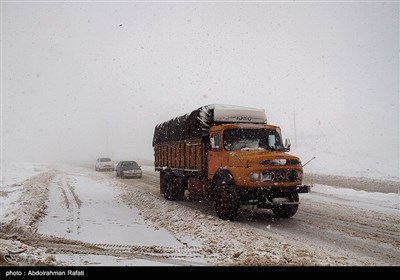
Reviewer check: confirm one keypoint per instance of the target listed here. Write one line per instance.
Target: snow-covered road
(72, 215)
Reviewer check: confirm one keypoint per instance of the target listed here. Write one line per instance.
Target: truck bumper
(258, 193)
(303, 189)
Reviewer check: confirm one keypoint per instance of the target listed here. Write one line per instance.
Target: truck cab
(247, 150)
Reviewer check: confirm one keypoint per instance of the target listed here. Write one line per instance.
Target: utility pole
(294, 124)
(108, 147)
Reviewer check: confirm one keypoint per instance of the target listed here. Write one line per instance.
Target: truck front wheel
(226, 203)
(287, 211)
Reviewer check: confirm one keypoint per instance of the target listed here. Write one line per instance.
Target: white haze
(88, 79)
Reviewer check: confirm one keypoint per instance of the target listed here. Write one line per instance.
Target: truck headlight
(254, 177)
(300, 175)
(267, 176)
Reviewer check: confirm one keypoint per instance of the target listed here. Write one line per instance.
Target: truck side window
(215, 141)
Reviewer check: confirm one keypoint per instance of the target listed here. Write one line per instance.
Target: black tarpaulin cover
(197, 123)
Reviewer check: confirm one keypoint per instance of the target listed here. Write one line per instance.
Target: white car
(104, 164)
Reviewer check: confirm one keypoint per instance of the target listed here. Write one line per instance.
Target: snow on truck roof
(197, 123)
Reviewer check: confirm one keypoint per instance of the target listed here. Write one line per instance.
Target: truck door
(215, 154)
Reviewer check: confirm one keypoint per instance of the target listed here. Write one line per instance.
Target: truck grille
(281, 175)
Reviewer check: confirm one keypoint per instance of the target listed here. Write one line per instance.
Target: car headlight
(254, 177)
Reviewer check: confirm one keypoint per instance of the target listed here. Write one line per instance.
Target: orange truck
(231, 155)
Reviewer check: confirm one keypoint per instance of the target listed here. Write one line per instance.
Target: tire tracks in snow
(71, 201)
(354, 227)
(63, 187)
(57, 245)
(354, 232)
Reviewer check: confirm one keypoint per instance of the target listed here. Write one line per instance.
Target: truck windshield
(252, 139)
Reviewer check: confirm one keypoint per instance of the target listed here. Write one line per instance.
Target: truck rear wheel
(226, 203)
(287, 211)
(174, 189)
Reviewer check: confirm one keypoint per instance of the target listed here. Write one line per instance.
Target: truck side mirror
(287, 145)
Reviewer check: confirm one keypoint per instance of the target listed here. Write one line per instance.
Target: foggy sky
(89, 79)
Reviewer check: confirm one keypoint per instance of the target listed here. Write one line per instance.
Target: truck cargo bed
(184, 155)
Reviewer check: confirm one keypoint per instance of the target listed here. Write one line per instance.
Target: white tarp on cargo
(223, 113)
